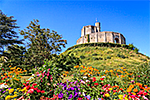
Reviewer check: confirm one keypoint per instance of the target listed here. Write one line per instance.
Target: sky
(130, 18)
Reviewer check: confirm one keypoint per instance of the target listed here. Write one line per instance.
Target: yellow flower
(8, 97)
(111, 71)
(114, 93)
(11, 90)
(15, 92)
(14, 96)
(24, 90)
(107, 95)
(110, 88)
(120, 97)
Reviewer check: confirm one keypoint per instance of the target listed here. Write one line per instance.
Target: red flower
(101, 79)
(94, 79)
(79, 98)
(95, 83)
(38, 90)
(42, 91)
(27, 87)
(34, 84)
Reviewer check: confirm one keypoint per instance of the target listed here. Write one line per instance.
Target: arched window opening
(116, 40)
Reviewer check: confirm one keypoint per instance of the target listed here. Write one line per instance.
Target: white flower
(87, 81)
(103, 77)
(84, 77)
(82, 82)
(3, 86)
(83, 93)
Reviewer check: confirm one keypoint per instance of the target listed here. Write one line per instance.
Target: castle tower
(93, 34)
(98, 28)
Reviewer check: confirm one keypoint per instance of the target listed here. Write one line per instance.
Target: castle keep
(92, 34)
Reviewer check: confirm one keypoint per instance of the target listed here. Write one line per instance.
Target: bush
(82, 57)
(108, 57)
(94, 54)
(94, 58)
(100, 58)
(121, 56)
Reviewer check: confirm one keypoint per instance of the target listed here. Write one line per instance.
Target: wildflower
(11, 90)
(70, 96)
(60, 95)
(135, 90)
(96, 84)
(42, 91)
(107, 95)
(84, 77)
(8, 97)
(110, 88)
(31, 91)
(101, 79)
(94, 79)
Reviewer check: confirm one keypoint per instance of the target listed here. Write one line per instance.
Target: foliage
(42, 44)
(7, 32)
(65, 62)
(15, 57)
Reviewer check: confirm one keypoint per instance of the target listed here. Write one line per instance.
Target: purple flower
(88, 96)
(72, 88)
(76, 94)
(70, 96)
(99, 99)
(60, 95)
(4, 91)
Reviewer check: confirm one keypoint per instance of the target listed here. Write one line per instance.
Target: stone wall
(105, 36)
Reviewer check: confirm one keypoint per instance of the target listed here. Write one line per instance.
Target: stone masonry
(92, 34)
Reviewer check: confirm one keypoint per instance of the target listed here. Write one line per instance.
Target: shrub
(94, 54)
(108, 57)
(82, 57)
(100, 58)
(121, 56)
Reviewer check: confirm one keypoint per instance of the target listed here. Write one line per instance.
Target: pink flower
(31, 91)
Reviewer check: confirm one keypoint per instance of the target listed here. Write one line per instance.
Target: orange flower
(82, 71)
(76, 66)
(135, 90)
(129, 89)
(133, 93)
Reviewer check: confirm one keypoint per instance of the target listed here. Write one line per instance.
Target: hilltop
(108, 55)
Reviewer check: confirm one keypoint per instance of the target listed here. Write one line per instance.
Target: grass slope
(108, 57)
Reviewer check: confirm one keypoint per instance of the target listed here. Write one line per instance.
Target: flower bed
(87, 83)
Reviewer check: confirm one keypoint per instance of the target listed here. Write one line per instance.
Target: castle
(92, 34)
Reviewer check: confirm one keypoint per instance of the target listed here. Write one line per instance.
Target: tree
(7, 34)
(41, 44)
(15, 57)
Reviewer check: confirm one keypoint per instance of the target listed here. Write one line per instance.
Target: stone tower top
(90, 29)
(92, 34)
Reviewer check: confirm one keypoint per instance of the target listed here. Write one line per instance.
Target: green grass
(112, 57)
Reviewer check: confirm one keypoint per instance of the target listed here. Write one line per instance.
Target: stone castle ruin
(93, 34)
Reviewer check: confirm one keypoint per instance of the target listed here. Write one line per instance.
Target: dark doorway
(116, 40)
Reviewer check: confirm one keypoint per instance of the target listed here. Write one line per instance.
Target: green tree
(15, 57)
(41, 44)
(8, 36)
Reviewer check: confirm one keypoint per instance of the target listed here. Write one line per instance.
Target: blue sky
(131, 18)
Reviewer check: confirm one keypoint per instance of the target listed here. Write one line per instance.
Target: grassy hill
(107, 56)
